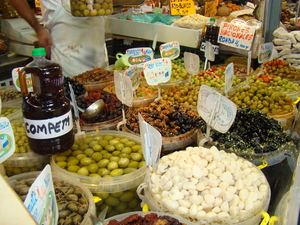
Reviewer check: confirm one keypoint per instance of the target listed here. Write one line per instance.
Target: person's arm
(43, 35)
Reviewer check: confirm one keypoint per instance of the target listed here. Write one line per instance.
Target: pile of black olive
(72, 205)
(78, 88)
(252, 132)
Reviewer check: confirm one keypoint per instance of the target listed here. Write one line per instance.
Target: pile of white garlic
(204, 184)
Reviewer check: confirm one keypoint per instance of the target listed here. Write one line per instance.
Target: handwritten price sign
(236, 35)
(182, 7)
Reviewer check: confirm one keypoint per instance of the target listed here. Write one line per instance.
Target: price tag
(209, 51)
(266, 52)
(41, 200)
(182, 7)
(216, 110)
(170, 50)
(123, 88)
(7, 139)
(229, 73)
(236, 35)
(133, 72)
(137, 56)
(15, 78)
(158, 71)
(151, 143)
(191, 63)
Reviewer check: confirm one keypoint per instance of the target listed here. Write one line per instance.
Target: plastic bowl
(12, 113)
(287, 119)
(17, 100)
(141, 213)
(118, 193)
(25, 162)
(171, 144)
(106, 125)
(248, 217)
(58, 177)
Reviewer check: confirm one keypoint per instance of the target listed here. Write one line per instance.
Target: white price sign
(123, 88)
(158, 71)
(170, 50)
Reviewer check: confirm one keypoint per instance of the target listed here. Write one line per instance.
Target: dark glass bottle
(46, 110)
(212, 31)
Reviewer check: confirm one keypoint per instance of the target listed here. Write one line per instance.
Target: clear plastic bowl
(58, 177)
(106, 125)
(16, 101)
(25, 162)
(171, 144)
(287, 119)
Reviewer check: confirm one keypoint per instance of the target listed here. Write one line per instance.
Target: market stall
(200, 128)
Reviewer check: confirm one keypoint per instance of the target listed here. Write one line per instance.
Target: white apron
(79, 42)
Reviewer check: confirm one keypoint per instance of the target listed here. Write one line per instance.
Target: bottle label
(49, 128)
(215, 47)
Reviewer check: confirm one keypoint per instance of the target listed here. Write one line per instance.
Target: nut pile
(204, 184)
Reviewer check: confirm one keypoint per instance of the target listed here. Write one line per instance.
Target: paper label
(7, 139)
(137, 56)
(265, 52)
(209, 51)
(236, 35)
(123, 88)
(170, 50)
(49, 128)
(229, 73)
(133, 72)
(15, 78)
(182, 7)
(158, 71)
(216, 110)
(151, 142)
(191, 63)
(216, 48)
(41, 200)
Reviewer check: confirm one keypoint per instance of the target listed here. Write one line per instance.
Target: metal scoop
(93, 110)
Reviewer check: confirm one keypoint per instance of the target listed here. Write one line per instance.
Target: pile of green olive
(262, 98)
(22, 146)
(102, 156)
(118, 202)
(178, 72)
(185, 95)
(7, 111)
(91, 7)
(9, 95)
(214, 79)
(277, 83)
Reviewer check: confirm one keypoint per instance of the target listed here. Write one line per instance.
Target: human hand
(44, 39)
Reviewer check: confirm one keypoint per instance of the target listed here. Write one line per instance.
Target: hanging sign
(137, 56)
(236, 35)
(182, 7)
(170, 50)
(158, 71)
(229, 73)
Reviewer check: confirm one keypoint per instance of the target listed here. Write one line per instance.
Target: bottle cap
(38, 52)
(212, 19)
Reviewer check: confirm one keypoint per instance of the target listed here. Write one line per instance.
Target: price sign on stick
(137, 56)
(170, 50)
(158, 71)
(209, 54)
(229, 73)
(151, 142)
(41, 200)
(124, 92)
(133, 72)
(191, 63)
(182, 7)
(266, 52)
(7, 139)
(217, 110)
